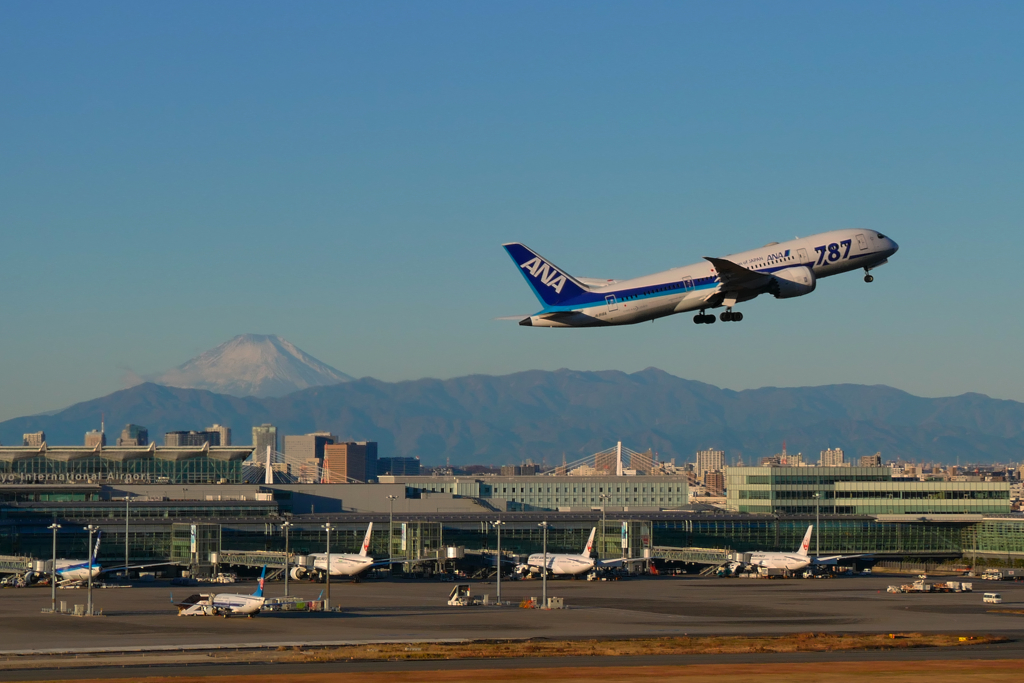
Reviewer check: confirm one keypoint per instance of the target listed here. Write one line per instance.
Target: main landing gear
(726, 317)
(730, 317)
(702, 319)
(868, 277)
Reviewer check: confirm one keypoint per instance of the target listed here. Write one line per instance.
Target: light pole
(604, 497)
(497, 527)
(391, 534)
(817, 523)
(544, 573)
(286, 526)
(92, 528)
(53, 569)
(127, 499)
(327, 604)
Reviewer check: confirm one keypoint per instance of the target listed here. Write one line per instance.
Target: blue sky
(343, 175)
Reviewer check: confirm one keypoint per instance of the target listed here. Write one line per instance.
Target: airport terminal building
(857, 491)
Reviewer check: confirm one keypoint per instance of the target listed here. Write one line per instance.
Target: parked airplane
(342, 564)
(785, 271)
(223, 604)
(75, 571)
(788, 561)
(561, 564)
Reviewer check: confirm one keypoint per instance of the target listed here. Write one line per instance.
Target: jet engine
(298, 573)
(792, 282)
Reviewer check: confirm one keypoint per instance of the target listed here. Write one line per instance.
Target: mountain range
(542, 415)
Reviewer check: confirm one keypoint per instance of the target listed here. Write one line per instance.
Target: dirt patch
(966, 671)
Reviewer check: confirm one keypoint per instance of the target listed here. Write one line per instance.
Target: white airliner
(78, 571)
(342, 564)
(788, 561)
(223, 604)
(560, 564)
(784, 270)
(798, 560)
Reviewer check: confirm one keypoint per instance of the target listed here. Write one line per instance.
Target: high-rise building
(871, 460)
(310, 472)
(714, 483)
(133, 435)
(710, 461)
(191, 439)
(225, 433)
(831, 457)
(349, 461)
(34, 439)
(300, 448)
(95, 438)
(263, 436)
(399, 467)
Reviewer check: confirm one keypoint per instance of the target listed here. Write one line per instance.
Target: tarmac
(143, 618)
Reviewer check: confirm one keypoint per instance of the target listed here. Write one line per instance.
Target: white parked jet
(560, 564)
(785, 270)
(342, 564)
(223, 604)
(788, 561)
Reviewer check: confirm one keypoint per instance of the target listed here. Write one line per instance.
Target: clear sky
(343, 175)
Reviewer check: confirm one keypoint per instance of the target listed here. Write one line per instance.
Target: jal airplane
(342, 564)
(559, 564)
(223, 604)
(784, 270)
(788, 561)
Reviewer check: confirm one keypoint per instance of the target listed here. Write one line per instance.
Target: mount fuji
(260, 365)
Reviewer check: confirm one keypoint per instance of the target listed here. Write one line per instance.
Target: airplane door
(687, 284)
(801, 255)
(613, 305)
(862, 244)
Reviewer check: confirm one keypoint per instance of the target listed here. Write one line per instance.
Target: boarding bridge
(16, 564)
(259, 558)
(715, 556)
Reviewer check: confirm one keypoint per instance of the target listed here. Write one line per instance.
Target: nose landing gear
(868, 277)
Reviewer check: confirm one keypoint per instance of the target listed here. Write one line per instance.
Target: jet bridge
(714, 556)
(16, 564)
(259, 558)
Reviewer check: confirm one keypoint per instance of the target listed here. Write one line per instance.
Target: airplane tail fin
(590, 543)
(552, 285)
(263, 578)
(805, 545)
(366, 541)
(96, 549)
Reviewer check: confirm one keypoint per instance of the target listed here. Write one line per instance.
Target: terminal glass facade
(856, 491)
(159, 466)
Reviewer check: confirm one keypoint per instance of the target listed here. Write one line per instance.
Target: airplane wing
(106, 570)
(733, 276)
(619, 562)
(833, 559)
(596, 283)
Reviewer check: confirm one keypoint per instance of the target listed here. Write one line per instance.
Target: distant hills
(541, 415)
(259, 365)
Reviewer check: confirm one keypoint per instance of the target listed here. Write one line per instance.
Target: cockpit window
(880, 236)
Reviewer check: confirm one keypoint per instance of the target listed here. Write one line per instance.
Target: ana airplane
(223, 604)
(560, 564)
(342, 564)
(784, 270)
(75, 571)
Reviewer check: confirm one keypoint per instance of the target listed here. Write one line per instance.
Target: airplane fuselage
(789, 269)
(342, 564)
(223, 604)
(788, 561)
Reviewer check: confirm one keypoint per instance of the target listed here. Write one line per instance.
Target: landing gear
(702, 319)
(731, 317)
(868, 277)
